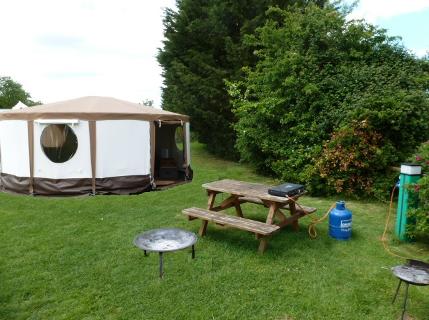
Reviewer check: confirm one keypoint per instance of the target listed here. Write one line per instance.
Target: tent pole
(30, 126)
(152, 149)
(93, 151)
(188, 143)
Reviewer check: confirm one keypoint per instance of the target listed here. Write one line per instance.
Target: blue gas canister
(340, 222)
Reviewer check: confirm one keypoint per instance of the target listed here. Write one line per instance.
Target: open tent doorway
(172, 156)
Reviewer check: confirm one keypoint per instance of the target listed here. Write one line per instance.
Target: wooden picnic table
(245, 192)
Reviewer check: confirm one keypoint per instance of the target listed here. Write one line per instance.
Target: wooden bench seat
(261, 229)
(308, 210)
(233, 221)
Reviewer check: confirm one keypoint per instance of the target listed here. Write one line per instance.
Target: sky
(408, 19)
(61, 50)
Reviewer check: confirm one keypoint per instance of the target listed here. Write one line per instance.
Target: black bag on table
(286, 190)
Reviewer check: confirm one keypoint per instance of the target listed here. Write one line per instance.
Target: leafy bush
(353, 156)
(317, 77)
(422, 157)
(420, 229)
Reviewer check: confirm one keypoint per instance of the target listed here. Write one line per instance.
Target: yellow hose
(386, 225)
(312, 232)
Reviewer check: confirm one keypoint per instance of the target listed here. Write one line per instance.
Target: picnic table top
(245, 189)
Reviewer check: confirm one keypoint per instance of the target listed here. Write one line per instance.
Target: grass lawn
(73, 258)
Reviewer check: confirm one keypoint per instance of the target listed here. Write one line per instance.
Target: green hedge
(318, 78)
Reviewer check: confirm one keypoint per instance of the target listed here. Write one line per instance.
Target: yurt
(92, 145)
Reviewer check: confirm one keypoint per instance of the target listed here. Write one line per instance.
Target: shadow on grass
(280, 245)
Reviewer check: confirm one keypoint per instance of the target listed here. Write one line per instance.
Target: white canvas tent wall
(115, 151)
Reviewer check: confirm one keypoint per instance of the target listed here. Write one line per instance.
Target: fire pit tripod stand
(165, 240)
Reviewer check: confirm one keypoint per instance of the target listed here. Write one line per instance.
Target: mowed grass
(74, 258)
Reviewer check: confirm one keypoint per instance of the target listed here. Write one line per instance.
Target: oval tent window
(59, 142)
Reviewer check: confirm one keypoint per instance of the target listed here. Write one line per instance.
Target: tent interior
(170, 153)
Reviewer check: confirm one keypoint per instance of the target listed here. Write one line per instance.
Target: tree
(321, 88)
(12, 92)
(204, 49)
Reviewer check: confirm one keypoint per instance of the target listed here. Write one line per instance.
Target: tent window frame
(64, 140)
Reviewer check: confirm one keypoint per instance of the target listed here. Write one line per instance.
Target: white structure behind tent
(19, 106)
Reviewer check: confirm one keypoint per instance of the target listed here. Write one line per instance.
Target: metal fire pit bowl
(165, 240)
(415, 273)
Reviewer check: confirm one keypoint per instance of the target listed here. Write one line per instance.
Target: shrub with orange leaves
(353, 158)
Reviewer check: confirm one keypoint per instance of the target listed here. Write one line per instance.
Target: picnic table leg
(210, 204)
(238, 208)
(161, 271)
(292, 208)
(203, 228)
(272, 212)
(279, 214)
(263, 243)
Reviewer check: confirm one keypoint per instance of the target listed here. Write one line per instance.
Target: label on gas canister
(346, 225)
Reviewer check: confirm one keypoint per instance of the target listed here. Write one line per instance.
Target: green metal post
(410, 173)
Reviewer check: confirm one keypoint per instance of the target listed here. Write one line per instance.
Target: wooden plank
(255, 200)
(203, 228)
(289, 221)
(238, 208)
(263, 243)
(226, 204)
(308, 210)
(233, 221)
(272, 212)
(211, 200)
(280, 215)
(245, 189)
(293, 213)
(251, 200)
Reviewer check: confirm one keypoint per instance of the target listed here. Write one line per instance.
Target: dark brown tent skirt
(76, 186)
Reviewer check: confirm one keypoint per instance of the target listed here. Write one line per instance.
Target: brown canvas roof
(93, 108)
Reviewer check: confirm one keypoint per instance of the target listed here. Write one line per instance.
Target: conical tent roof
(19, 105)
(93, 108)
